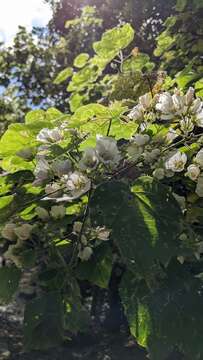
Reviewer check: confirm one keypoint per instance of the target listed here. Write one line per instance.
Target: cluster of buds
(88, 237)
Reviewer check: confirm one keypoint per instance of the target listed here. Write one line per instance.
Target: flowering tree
(104, 185)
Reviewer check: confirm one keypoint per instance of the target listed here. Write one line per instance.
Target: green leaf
(199, 87)
(180, 5)
(6, 203)
(43, 322)
(38, 119)
(164, 42)
(23, 139)
(168, 318)
(83, 78)
(63, 75)
(4, 186)
(76, 100)
(77, 318)
(81, 60)
(98, 269)
(28, 213)
(147, 219)
(87, 112)
(35, 115)
(113, 41)
(140, 62)
(9, 281)
(186, 77)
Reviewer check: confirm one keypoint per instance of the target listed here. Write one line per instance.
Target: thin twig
(86, 212)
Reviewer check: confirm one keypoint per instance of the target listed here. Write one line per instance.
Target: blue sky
(21, 12)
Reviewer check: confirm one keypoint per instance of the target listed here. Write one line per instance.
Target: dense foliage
(110, 176)
(180, 45)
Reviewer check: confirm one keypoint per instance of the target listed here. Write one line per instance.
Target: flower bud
(58, 212)
(23, 232)
(199, 119)
(199, 187)
(186, 125)
(189, 96)
(193, 172)
(159, 173)
(181, 259)
(141, 140)
(83, 240)
(42, 213)
(102, 233)
(199, 158)
(196, 106)
(136, 113)
(77, 227)
(8, 232)
(89, 160)
(145, 100)
(86, 253)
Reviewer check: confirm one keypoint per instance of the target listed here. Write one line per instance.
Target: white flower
(181, 259)
(183, 236)
(145, 100)
(136, 113)
(199, 187)
(141, 140)
(186, 125)
(196, 106)
(77, 227)
(102, 233)
(85, 254)
(171, 135)
(23, 232)
(150, 156)
(42, 213)
(176, 162)
(179, 103)
(58, 212)
(53, 190)
(134, 151)
(189, 96)
(193, 172)
(41, 172)
(199, 118)
(8, 231)
(159, 173)
(199, 158)
(84, 240)
(77, 183)
(50, 135)
(89, 159)
(61, 167)
(107, 150)
(165, 105)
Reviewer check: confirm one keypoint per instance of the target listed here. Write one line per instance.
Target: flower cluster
(167, 125)
(182, 114)
(184, 106)
(89, 238)
(67, 181)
